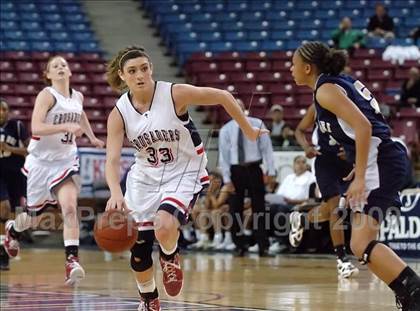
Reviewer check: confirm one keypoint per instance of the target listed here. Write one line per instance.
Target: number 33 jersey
(168, 147)
(59, 146)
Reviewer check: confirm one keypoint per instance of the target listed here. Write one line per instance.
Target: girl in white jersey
(169, 171)
(52, 165)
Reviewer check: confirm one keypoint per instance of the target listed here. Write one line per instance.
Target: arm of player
(114, 143)
(185, 95)
(224, 154)
(87, 129)
(333, 99)
(44, 102)
(307, 122)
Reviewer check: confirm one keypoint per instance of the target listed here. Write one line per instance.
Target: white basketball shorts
(44, 176)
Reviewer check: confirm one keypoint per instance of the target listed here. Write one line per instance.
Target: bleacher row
(34, 30)
(45, 26)
(246, 47)
(261, 80)
(221, 26)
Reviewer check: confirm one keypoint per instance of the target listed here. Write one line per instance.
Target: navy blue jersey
(329, 123)
(12, 133)
(324, 141)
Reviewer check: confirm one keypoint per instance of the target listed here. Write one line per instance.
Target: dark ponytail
(327, 60)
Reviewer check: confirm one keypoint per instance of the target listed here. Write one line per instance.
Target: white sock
(22, 222)
(228, 237)
(197, 234)
(146, 287)
(204, 237)
(71, 243)
(169, 251)
(2, 237)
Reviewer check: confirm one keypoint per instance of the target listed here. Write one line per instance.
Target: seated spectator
(410, 90)
(299, 186)
(277, 124)
(381, 24)
(347, 38)
(287, 138)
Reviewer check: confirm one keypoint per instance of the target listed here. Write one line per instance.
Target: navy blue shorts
(12, 187)
(329, 173)
(393, 167)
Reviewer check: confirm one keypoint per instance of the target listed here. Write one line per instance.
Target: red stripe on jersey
(176, 202)
(200, 151)
(61, 177)
(145, 224)
(35, 137)
(205, 178)
(53, 202)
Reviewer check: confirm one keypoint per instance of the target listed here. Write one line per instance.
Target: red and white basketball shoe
(172, 275)
(149, 304)
(11, 245)
(74, 271)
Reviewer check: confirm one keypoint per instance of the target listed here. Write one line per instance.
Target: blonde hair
(118, 62)
(47, 68)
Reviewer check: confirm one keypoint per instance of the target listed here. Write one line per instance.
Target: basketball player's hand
(4, 147)
(356, 195)
(116, 202)
(97, 143)
(75, 129)
(311, 152)
(255, 133)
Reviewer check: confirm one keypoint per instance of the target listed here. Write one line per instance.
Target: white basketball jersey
(167, 148)
(61, 145)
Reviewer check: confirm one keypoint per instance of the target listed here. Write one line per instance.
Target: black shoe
(4, 262)
(264, 253)
(240, 252)
(411, 301)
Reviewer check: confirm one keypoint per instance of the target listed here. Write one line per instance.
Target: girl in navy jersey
(52, 166)
(328, 153)
(346, 110)
(13, 142)
(170, 167)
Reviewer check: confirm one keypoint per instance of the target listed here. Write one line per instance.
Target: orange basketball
(115, 231)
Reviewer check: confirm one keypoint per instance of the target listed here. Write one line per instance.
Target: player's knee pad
(141, 253)
(366, 254)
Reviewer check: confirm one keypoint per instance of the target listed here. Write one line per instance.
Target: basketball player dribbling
(327, 153)
(346, 110)
(170, 163)
(52, 165)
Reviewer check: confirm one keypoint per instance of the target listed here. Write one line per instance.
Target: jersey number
(67, 139)
(366, 94)
(163, 154)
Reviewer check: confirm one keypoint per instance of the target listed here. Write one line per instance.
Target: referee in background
(240, 160)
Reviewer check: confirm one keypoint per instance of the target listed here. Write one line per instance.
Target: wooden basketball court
(212, 282)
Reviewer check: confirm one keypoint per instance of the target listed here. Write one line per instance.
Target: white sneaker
(217, 241)
(296, 229)
(230, 246)
(253, 249)
(346, 269)
(201, 244)
(276, 248)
